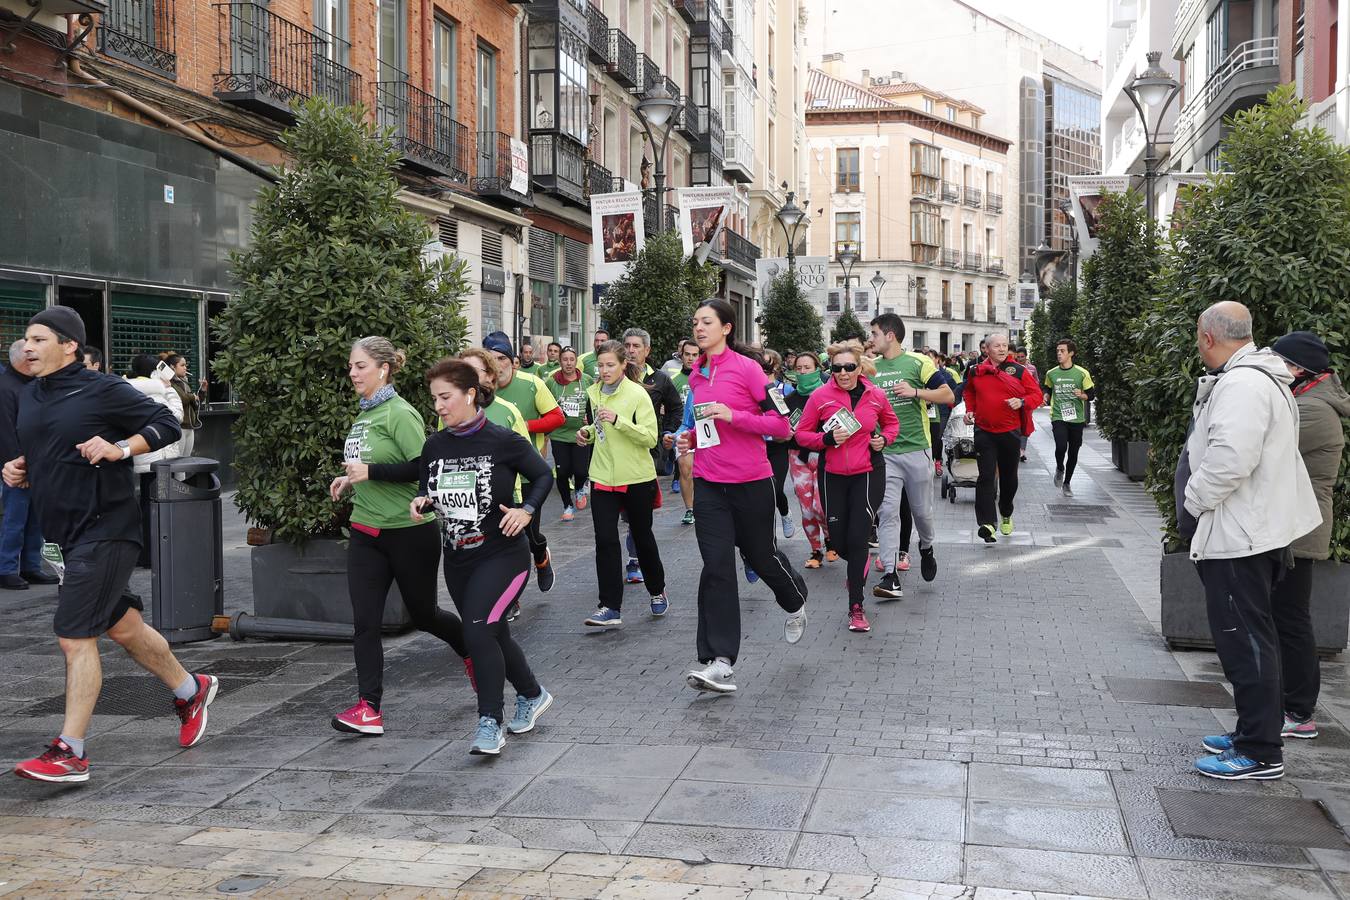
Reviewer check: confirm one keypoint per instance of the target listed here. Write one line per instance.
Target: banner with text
(811, 272)
(617, 234)
(703, 213)
(1087, 192)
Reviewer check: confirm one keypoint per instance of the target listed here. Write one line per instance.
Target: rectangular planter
(1185, 623)
(1117, 453)
(310, 584)
(1134, 459)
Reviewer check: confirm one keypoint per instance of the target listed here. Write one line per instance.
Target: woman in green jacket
(623, 480)
(572, 461)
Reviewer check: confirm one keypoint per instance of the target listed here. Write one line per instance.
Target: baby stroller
(961, 468)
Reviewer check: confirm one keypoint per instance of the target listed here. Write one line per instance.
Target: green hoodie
(622, 449)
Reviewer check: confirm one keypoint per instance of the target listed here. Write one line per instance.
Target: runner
(499, 411)
(542, 415)
(999, 396)
(587, 360)
(527, 363)
(78, 430)
(1021, 357)
(778, 450)
(802, 463)
(665, 399)
(468, 478)
(384, 547)
(910, 382)
(572, 460)
(1068, 388)
(733, 489)
(684, 462)
(553, 362)
(623, 477)
(850, 419)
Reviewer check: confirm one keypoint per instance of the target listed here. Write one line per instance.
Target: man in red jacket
(1000, 394)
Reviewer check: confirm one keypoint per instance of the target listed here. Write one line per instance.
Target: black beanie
(63, 320)
(1305, 350)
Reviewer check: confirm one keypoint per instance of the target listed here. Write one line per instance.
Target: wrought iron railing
(423, 129)
(741, 250)
(599, 180)
(994, 264)
(993, 202)
(687, 121)
(648, 73)
(710, 123)
(950, 193)
(270, 61)
(140, 32)
(597, 34)
(622, 58)
(972, 196)
(972, 261)
(728, 37)
(493, 170)
(558, 166)
(686, 10)
(951, 259)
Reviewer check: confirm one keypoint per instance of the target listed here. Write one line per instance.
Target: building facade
(906, 177)
(1073, 146)
(1133, 29)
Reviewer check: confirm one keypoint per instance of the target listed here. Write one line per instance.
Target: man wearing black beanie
(78, 430)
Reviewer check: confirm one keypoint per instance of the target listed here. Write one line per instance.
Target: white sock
(76, 745)
(187, 690)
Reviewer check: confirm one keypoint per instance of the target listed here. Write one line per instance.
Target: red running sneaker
(361, 719)
(857, 619)
(192, 713)
(58, 763)
(468, 670)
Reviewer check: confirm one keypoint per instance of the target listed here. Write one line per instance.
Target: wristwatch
(125, 447)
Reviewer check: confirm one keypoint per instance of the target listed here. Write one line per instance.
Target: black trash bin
(187, 573)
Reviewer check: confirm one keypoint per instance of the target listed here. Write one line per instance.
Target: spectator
(20, 535)
(93, 357)
(191, 399)
(151, 377)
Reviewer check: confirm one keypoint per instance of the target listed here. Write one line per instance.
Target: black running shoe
(543, 573)
(888, 588)
(927, 563)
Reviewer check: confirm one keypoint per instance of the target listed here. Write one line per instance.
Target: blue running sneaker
(527, 711)
(660, 604)
(750, 574)
(488, 740)
(1233, 766)
(1218, 743)
(604, 617)
(633, 573)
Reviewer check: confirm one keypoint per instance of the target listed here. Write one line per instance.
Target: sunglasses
(843, 367)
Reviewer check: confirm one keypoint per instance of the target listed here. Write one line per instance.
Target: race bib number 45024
(457, 496)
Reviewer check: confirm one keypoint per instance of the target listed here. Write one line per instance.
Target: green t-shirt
(587, 365)
(532, 397)
(546, 369)
(392, 432)
(1065, 406)
(916, 369)
(572, 398)
(681, 380)
(533, 369)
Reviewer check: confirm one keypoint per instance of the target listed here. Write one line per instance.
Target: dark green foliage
(658, 293)
(790, 322)
(1272, 233)
(1051, 323)
(1119, 281)
(333, 257)
(1038, 335)
(847, 327)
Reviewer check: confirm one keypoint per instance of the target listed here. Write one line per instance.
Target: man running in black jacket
(78, 430)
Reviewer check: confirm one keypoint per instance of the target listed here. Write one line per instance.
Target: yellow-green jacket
(621, 451)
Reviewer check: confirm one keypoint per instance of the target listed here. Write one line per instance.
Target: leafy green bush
(847, 326)
(658, 293)
(789, 321)
(333, 256)
(1272, 232)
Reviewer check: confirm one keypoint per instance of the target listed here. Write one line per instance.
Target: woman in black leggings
(468, 478)
(380, 455)
(572, 461)
(778, 450)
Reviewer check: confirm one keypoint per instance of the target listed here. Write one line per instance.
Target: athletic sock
(187, 690)
(76, 745)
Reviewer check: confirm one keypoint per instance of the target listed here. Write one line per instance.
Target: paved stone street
(969, 746)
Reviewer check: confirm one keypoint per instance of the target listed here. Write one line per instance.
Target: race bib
(794, 417)
(600, 432)
(706, 433)
(572, 406)
(843, 419)
(776, 395)
(355, 444)
(457, 496)
(932, 412)
(1068, 412)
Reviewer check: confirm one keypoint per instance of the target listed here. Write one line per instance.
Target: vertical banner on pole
(703, 214)
(1087, 192)
(617, 233)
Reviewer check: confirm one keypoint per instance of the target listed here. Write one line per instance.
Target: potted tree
(788, 320)
(1278, 244)
(333, 256)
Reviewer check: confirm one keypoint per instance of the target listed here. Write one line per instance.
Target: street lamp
(848, 259)
(1153, 88)
(790, 218)
(656, 110)
(877, 284)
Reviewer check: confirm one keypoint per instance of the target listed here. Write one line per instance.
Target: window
(974, 121)
(558, 83)
(848, 171)
(951, 113)
(920, 306)
(920, 338)
(946, 299)
(989, 311)
(487, 88)
(925, 229)
(331, 17)
(848, 230)
(443, 52)
(927, 104)
(925, 165)
(970, 302)
(393, 35)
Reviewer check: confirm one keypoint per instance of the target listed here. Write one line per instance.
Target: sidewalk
(974, 744)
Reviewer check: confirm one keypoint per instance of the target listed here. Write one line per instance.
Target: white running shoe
(795, 626)
(714, 678)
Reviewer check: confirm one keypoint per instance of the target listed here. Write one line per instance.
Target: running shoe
(1059, 475)
(57, 763)
(488, 740)
(675, 486)
(872, 540)
(688, 517)
(815, 560)
(192, 713)
(1006, 526)
(888, 588)
(527, 711)
(789, 529)
(795, 625)
(987, 532)
(366, 719)
(750, 574)
(632, 573)
(581, 498)
(660, 604)
(468, 671)
(714, 678)
(568, 514)
(1305, 729)
(604, 617)
(543, 573)
(831, 556)
(902, 563)
(1022, 458)
(1066, 490)
(39, 577)
(937, 468)
(1217, 743)
(857, 619)
(1233, 766)
(927, 563)
(513, 611)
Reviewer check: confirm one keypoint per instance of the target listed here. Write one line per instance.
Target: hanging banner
(520, 167)
(1087, 192)
(811, 272)
(703, 214)
(1172, 201)
(617, 234)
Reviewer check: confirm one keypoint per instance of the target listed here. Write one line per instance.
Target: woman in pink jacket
(733, 493)
(851, 420)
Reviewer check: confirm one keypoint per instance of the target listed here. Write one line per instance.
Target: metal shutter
(575, 258)
(147, 323)
(543, 255)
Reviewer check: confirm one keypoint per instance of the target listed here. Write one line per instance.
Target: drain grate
(244, 667)
(128, 695)
(1080, 509)
(1061, 540)
(1162, 692)
(1251, 819)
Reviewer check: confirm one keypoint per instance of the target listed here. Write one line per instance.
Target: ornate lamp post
(790, 218)
(656, 110)
(877, 284)
(847, 258)
(1154, 88)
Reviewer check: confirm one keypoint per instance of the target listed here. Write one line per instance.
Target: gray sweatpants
(913, 473)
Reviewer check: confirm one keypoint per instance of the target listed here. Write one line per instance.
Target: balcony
(266, 62)
(140, 32)
(972, 197)
(1244, 77)
(423, 130)
(972, 262)
(994, 265)
(648, 74)
(686, 10)
(710, 130)
(924, 254)
(686, 121)
(597, 35)
(738, 157)
(621, 62)
(740, 250)
(599, 180)
(993, 202)
(559, 167)
(494, 175)
(950, 193)
(705, 21)
(728, 37)
(951, 259)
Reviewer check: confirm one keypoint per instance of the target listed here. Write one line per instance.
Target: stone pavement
(970, 746)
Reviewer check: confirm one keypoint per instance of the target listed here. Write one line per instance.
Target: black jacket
(78, 502)
(666, 402)
(11, 386)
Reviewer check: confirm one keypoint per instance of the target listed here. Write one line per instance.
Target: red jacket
(989, 388)
(873, 409)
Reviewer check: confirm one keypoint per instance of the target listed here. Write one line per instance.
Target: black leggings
(998, 453)
(1301, 674)
(636, 503)
(1068, 438)
(778, 461)
(534, 532)
(572, 464)
(407, 556)
(850, 504)
(483, 589)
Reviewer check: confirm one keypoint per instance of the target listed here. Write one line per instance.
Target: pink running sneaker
(57, 763)
(360, 719)
(857, 619)
(192, 713)
(1293, 728)
(902, 563)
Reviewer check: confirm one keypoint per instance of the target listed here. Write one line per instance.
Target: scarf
(385, 393)
(807, 382)
(464, 429)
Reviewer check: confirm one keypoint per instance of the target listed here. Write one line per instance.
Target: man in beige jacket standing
(1244, 496)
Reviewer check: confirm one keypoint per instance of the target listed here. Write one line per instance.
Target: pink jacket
(738, 382)
(873, 409)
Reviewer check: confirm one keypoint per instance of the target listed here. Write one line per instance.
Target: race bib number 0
(705, 427)
(457, 496)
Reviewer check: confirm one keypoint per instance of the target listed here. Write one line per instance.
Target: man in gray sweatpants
(911, 382)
